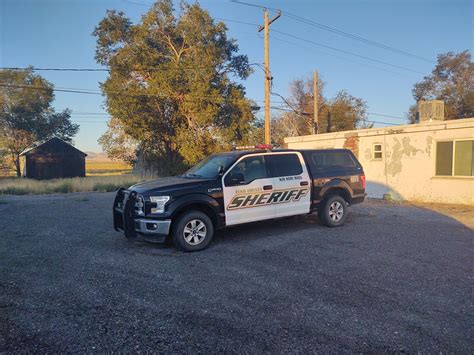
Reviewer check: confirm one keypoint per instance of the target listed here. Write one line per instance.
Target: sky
(58, 34)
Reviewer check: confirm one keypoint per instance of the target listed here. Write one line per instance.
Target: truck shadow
(248, 232)
(372, 212)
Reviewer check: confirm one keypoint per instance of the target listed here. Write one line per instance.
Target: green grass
(20, 186)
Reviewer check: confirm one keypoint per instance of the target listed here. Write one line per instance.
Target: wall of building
(54, 166)
(406, 170)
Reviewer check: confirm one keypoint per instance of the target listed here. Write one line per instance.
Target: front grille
(140, 206)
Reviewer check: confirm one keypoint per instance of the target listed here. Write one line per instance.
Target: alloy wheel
(194, 232)
(336, 211)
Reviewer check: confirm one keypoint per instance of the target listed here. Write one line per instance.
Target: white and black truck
(239, 187)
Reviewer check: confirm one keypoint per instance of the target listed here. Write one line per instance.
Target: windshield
(209, 167)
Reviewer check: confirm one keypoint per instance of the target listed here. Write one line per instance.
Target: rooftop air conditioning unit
(432, 110)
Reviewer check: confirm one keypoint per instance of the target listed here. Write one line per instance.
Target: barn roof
(50, 143)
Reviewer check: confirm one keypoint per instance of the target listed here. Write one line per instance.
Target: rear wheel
(333, 212)
(193, 231)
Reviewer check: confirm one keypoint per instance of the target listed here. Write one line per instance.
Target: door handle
(304, 183)
(267, 187)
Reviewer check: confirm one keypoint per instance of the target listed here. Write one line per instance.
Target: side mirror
(220, 170)
(234, 179)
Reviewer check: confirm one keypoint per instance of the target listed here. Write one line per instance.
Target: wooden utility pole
(268, 77)
(315, 103)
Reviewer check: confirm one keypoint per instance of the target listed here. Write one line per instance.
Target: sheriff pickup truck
(239, 187)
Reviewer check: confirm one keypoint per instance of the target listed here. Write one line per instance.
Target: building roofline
(407, 128)
(30, 149)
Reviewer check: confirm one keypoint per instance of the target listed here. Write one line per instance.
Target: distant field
(107, 168)
(22, 186)
(101, 175)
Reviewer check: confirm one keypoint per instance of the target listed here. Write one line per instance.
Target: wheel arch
(344, 193)
(201, 203)
(337, 187)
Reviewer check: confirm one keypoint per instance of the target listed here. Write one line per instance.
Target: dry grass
(107, 168)
(20, 186)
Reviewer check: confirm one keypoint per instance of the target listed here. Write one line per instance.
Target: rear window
(333, 160)
(284, 164)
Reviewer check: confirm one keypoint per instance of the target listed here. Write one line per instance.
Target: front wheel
(333, 212)
(193, 231)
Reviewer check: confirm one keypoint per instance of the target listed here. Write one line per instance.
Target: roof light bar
(257, 146)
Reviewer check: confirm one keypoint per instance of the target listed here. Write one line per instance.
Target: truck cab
(240, 187)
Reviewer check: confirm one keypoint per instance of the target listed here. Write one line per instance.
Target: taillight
(362, 178)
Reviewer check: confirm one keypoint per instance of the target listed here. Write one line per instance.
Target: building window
(455, 158)
(377, 151)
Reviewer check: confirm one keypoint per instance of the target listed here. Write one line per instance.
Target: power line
(236, 21)
(339, 57)
(340, 32)
(358, 38)
(320, 44)
(87, 119)
(329, 47)
(102, 69)
(293, 110)
(137, 3)
(30, 87)
(348, 52)
(385, 123)
(89, 113)
(302, 39)
(57, 69)
(81, 114)
(75, 121)
(389, 116)
(91, 92)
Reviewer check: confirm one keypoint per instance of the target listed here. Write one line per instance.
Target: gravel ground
(394, 278)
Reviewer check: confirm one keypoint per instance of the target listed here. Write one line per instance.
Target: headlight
(160, 203)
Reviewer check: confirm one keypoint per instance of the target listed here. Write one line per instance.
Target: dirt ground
(394, 278)
(461, 213)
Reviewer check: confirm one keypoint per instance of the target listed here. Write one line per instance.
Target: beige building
(432, 161)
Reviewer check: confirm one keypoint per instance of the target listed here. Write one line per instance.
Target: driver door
(247, 186)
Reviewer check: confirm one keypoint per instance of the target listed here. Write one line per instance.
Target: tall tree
(452, 80)
(117, 144)
(5, 163)
(26, 114)
(170, 83)
(343, 112)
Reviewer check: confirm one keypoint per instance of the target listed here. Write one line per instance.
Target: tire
(333, 212)
(193, 231)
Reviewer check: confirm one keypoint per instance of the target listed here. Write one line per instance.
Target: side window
(284, 164)
(246, 171)
(464, 158)
(318, 160)
(444, 158)
(333, 160)
(455, 158)
(377, 151)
